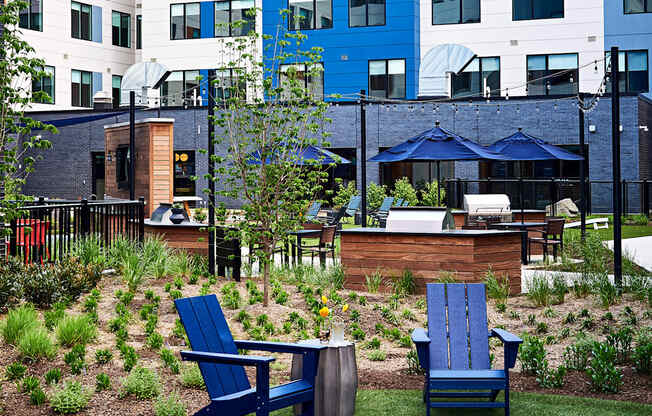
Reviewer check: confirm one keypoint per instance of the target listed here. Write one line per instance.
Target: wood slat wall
(468, 258)
(184, 238)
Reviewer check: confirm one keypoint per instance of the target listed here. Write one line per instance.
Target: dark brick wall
(645, 137)
(65, 170)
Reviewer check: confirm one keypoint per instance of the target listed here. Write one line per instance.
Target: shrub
(588, 324)
(565, 333)
(344, 194)
(362, 300)
(171, 405)
(129, 357)
(576, 356)
(53, 376)
(36, 343)
(29, 384)
(569, 319)
(549, 313)
(231, 300)
(540, 291)
(622, 343)
(191, 377)
(429, 195)
(170, 360)
(408, 315)
(37, 397)
(102, 382)
(76, 358)
(358, 334)
(142, 383)
(403, 189)
(642, 356)
(501, 307)
(18, 321)
(15, 371)
(496, 288)
(531, 354)
(607, 292)
(605, 377)
(405, 341)
(413, 362)
(73, 398)
(103, 356)
(550, 379)
(531, 319)
(374, 344)
(376, 355)
(542, 328)
(374, 281)
(54, 315)
(73, 330)
(10, 288)
(559, 289)
(155, 341)
(405, 285)
(89, 251)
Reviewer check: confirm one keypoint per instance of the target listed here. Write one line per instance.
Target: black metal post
(615, 151)
(646, 197)
(211, 173)
(85, 220)
(363, 156)
(132, 145)
(141, 219)
(438, 184)
(582, 177)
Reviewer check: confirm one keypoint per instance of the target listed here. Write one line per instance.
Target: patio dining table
(299, 235)
(523, 227)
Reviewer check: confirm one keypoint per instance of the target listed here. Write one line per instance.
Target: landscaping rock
(563, 207)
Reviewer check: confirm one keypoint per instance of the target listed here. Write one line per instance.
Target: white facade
(580, 31)
(59, 49)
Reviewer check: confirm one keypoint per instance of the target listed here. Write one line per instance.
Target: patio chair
(406, 203)
(353, 206)
(381, 213)
(306, 226)
(223, 368)
(465, 372)
(398, 202)
(551, 235)
(313, 211)
(326, 245)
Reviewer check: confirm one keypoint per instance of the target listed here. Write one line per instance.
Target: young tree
(267, 116)
(18, 66)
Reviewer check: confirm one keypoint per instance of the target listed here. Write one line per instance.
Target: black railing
(47, 232)
(539, 193)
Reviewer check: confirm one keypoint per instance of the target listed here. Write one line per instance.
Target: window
(122, 161)
(366, 13)
(185, 21)
(310, 14)
(139, 32)
(227, 83)
(633, 71)
(312, 79)
(181, 87)
(116, 81)
(121, 29)
(476, 77)
(387, 78)
(229, 12)
(81, 20)
(82, 87)
(445, 12)
(638, 6)
(44, 84)
(184, 172)
(32, 17)
(537, 9)
(561, 70)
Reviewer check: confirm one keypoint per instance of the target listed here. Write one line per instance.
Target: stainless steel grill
(419, 220)
(487, 208)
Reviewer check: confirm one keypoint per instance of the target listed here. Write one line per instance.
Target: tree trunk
(266, 282)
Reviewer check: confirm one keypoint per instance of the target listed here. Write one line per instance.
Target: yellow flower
(324, 300)
(323, 312)
(345, 308)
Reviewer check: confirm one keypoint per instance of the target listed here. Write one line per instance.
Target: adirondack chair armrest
(422, 342)
(232, 359)
(281, 347)
(511, 343)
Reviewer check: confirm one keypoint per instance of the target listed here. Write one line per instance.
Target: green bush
(133, 271)
(103, 356)
(642, 355)
(154, 341)
(170, 361)
(376, 355)
(102, 382)
(191, 377)
(406, 284)
(576, 356)
(344, 194)
(10, 288)
(621, 340)
(559, 289)
(142, 383)
(374, 281)
(76, 329)
(129, 357)
(29, 383)
(37, 397)
(403, 189)
(76, 358)
(604, 376)
(532, 354)
(551, 379)
(374, 344)
(89, 251)
(18, 321)
(496, 288)
(606, 292)
(540, 292)
(429, 195)
(15, 371)
(53, 376)
(413, 362)
(36, 344)
(73, 398)
(171, 405)
(375, 195)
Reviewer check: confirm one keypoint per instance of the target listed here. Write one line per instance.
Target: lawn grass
(409, 403)
(629, 231)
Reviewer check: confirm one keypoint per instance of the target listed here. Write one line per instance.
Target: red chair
(33, 238)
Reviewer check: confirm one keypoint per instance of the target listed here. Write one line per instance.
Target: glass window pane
(191, 88)
(315, 81)
(521, 9)
(139, 32)
(473, 66)
(116, 80)
(537, 87)
(76, 6)
(302, 14)
(75, 91)
(396, 66)
(176, 21)
(490, 64)
(378, 86)
(125, 30)
(490, 73)
(634, 6)
(548, 9)
(193, 21)
(36, 15)
(470, 11)
(115, 28)
(239, 12)
(637, 61)
(376, 12)
(377, 67)
(24, 19)
(565, 61)
(86, 78)
(221, 18)
(536, 62)
(76, 77)
(397, 86)
(358, 13)
(172, 89)
(74, 24)
(446, 11)
(324, 12)
(85, 22)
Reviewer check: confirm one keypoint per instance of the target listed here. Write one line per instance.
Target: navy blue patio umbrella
(310, 155)
(524, 147)
(436, 145)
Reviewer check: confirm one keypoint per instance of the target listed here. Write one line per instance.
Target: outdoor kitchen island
(465, 255)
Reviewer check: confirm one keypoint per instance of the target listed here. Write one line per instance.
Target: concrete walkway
(638, 249)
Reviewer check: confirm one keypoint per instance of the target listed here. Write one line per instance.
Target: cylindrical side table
(336, 385)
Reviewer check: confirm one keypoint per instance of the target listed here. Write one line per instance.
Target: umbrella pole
(438, 185)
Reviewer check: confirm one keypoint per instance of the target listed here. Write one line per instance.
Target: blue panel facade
(207, 15)
(96, 14)
(97, 82)
(627, 31)
(348, 50)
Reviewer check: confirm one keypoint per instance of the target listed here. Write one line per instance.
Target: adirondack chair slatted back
(313, 211)
(457, 327)
(354, 205)
(208, 331)
(386, 205)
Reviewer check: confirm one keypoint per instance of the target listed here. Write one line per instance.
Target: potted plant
(178, 213)
(200, 215)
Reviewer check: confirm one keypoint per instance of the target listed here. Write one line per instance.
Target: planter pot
(177, 216)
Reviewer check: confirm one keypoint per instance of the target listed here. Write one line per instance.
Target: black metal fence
(47, 230)
(539, 193)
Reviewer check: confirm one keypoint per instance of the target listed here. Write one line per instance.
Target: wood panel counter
(468, 254)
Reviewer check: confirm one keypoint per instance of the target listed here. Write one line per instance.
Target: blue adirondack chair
(223, 368)
(313, 211)
(398, 202)
(379, 215)
(455, 352)
(353, 206)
